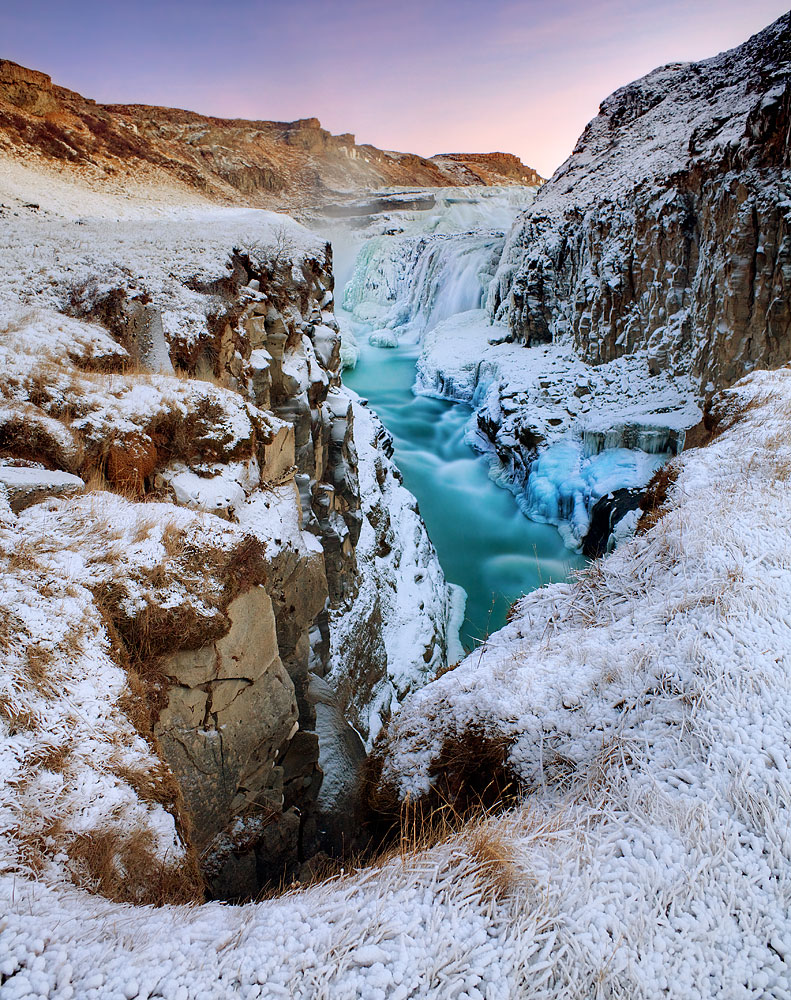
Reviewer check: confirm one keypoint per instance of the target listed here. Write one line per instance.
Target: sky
(423, 76)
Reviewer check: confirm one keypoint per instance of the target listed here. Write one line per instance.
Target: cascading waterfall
(409, 284)
(411, 272)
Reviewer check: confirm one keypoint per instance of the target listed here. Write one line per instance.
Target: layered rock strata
(232, 161)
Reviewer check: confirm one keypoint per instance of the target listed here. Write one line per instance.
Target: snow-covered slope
(644, 709)
(667, 227)
(648, 703)
(191, 356)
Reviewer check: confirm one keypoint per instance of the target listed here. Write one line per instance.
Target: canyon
(229, 443)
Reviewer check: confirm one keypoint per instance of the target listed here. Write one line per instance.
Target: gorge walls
(667, 229)
(210, 391)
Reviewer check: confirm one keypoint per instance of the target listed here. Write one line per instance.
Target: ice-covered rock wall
(667, 229)
(408, 284)
(559, 433)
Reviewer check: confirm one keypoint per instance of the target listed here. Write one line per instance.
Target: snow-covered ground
(646, 707)
(163, 256)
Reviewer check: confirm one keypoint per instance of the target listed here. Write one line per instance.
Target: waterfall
(409, 284)
(415, 273)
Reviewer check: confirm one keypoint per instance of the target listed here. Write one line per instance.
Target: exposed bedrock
(613, 517)
(234, 408)
(668, 227)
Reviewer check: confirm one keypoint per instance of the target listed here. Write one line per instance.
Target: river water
(484, 543)
(402, 275)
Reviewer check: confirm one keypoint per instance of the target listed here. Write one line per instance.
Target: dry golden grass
(20, 720)
(35, 843)
(22, 559)
(50, 756)
(173, 540)
(124, 868)
(153, 784)
(39, 661)
(493, 852)
(654, 502)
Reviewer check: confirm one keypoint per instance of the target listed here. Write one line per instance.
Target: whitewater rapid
(484, 543)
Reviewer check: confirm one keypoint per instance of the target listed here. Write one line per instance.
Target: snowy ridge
(160, 256)
(651, 699)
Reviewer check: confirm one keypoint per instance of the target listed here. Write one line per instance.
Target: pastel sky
(425, 76)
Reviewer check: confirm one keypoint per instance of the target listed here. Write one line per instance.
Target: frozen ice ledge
(559, 433)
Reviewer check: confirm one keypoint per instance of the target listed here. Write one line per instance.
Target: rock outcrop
(212, 384)
(667, 229)
(487, 168)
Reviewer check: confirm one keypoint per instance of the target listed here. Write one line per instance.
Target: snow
(575, 417)
(222, 492)
(66, 750)
(405, 584)
(646, 706)
(45, 355)
(79, 246)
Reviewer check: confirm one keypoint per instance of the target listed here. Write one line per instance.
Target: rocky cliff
(185, 373)
(487, 168)
(259, 163)
(667, 229)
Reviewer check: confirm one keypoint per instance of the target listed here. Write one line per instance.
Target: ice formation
(431, 288)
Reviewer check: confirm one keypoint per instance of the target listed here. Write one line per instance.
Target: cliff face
(193, 387)
(667, 229)
(260, 163)
(487, 168)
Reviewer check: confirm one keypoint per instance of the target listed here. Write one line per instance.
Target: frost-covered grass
(76, 250)
(73, 768)
(92, 588)
(646, 707)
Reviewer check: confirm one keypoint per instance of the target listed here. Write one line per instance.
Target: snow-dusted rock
(26, 486)
(397, 628)
(244, 421)
(666, 229)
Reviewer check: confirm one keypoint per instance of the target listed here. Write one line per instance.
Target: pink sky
(424, 76)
